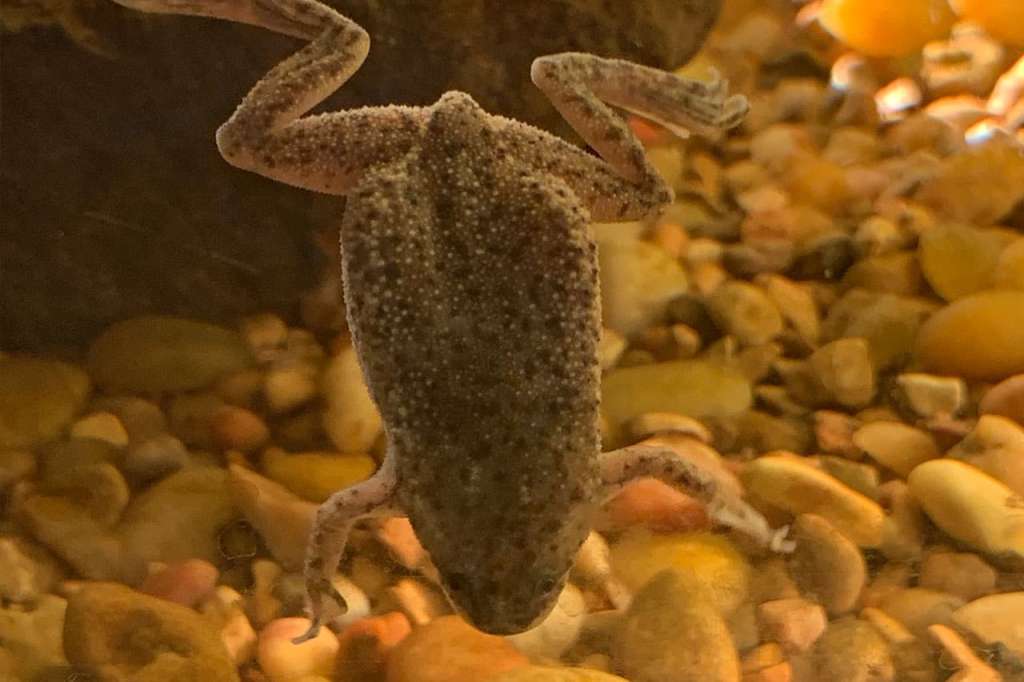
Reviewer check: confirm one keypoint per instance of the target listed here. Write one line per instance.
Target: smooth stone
(225, 610)
(180, 517)
(127, 636)
(265, 334)
(638, 280)
(101, 426)
(1009, 272)
(791, 484)
(996, 446)
(889, 323)
(654, 505)
(860, 476)
(559, 629)
(543, 673)
(289, 387)
(26, 570)
(449, 650)
(745, 312)
(33, 638)
(970, 505)
(711, 564)
(895, 445)
(94, 552)
(970, 667)
(696, 388)
(917, 608)
(904, 530)
(183, 582)
(236, 428)
(826, 565)
(891, 273)
(351, 419)
(964, 575)
(931, 396)
(282, 518)
(363, 646)
(995, 619)
(958, 259)
(314, 476)
(283, 661)
(844, 368)
(156, 354)
(1005, 399)
(851, 650)
(796, 304)
(38, 399)
(15, 465)
(794, 623)
(975, 337)
(979, 185)
(142, 419)
(671, 634)
(154, 458)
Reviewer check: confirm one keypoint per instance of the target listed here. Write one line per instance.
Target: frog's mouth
(490, 611)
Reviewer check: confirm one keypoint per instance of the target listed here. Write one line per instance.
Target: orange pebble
(887, 28)
(365, 644)
(1004, 19)
(648, 133)
(657, 506)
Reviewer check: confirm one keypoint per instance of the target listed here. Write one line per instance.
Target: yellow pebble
(958, 260)
(1009, 272)
(887, 28)
(315, 475)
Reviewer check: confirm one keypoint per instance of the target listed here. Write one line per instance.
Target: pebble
(996, 446)
(265, 335)
(671, 634)
(654, 505)
(154, 458)
(654, 423)
(593, 568)
(314, 476)
(15, 465)
(101, 426)
(903, 532)
(794, 623)
(994, 619)
(543, 673)
(895, 445)
(236, 428)
(26, 570)
(890, 273)
(289, 387)
(833, 432)
(115, 630)
(553, 636)
(33, 637)
(262, 605)
(844, 368)
(958, 260)
(282, 519)
(282, 661)
(1005, 399)
(182, 582)
(826, 565)
(976, 337)
(92, 551)
(857, 475)
(970, 505)
(696, 388)
(796, 304)
(449, 650)
(179, 517)
(351, 419)
(710, 563)
(363, 646)
(157, 354)
(97, 489)
(224, 610)
(745, 312)
(917, 608)
(977, 186)
(38, 399)
(638, 280)
(932, 396)
(970, 667)
(851, 650)
(142, 419)
(889, 323)
(190, 415)
(791, 484)
(964, 575)
(419, 602)
(610, 348)
(1009, 272)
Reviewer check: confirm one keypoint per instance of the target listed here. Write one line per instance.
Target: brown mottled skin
(471, 284)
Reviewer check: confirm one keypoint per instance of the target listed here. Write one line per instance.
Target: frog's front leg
(374, 497)
(619, 467)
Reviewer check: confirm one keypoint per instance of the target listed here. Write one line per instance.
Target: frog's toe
(325, 604)
(733, 112)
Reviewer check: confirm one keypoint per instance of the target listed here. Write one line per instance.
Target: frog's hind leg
(374, 497)
(645, 461)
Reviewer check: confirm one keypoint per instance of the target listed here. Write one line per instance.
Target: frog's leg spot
(642, 461)
(334, 520)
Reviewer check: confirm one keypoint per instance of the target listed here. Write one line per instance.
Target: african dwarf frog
(472, 294)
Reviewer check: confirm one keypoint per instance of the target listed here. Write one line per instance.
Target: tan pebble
(891, 273)
(996, 446)
(796, 305)
(449, 650)
(970, 505)
(289, 387)
(791, 484)
(703, 250)
(833, 431)
(826, 565)
(878, 235)
(552, 637)
(894, 631)
(746, 312)
(610, 348)
(851, 651)
(917, 608)
(705, 278)
(762, 656)
(538, 673)
(419, 602)
(185, 582)
(654, 423)
(671, 237)
(1005, 399)
(904, 529)
(639, 279)
(398, 536)
(970, 667)
(965, 575)
(282, 519)
(771, 580)
(845, 369)
(236, 428)
(743, 627)
(889, 323)
(896, 445)
(315, 476)
(671, 634)
(283, 661)
(190, 415)
(224, 608)
(1009, 272)
(101, 426)
(242, 388)
(364, 645)
(780, 672)
(995, 619)
(265, 334)
(890, 579)
(930, 396)
(263, 606)
(593, 567)
(351, 419)
(975, 337)
(860, 476)
(958, 260)
(794, 623)
(686, 339)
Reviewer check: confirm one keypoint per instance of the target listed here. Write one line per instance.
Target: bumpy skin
(471, 284)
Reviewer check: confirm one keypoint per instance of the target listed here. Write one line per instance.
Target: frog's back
(477, 321)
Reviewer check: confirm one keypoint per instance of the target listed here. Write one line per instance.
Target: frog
(471, 289)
